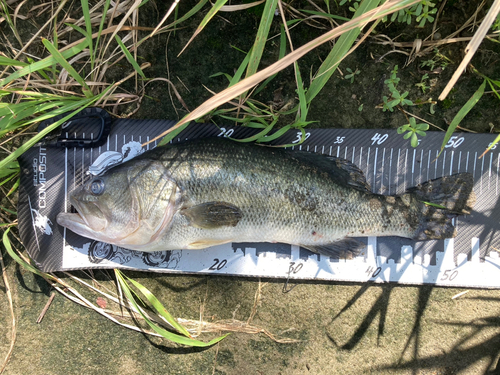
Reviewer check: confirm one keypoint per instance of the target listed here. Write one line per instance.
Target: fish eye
(97, 186)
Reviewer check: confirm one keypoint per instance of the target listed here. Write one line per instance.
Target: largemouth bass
(212, 191)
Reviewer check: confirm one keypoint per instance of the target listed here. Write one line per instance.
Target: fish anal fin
(345, 248)
(211, 215)
(203, 244)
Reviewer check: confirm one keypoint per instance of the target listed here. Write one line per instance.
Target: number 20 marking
(225, 133)
(218, 265)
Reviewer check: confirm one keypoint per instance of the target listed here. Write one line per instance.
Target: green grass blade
(17, 258)
(491, 82)
(77, 28)
(281, 55)
(65, 64)
(302, 94)
(43, 64)
(8, 123)
(338, 51)
(261, 37)
(275, 135)
(172, 134)
(53, 68)
(215, 8)
(14, 187)
(9, 211)
(302, 139)
(326, 15)
(7, 172)
(63, 105)
(237, 76)
(228, 77)
(9, 169)
(12, 109)
(245, 121)
(434, 204)
(497, 139)
(259, 135)
(76, 107)
(11, 62)
(189, 14)
(8, 19)
(160, 309)
(462, 113)
(88, 35)
(161, 331)
(129, 57)
(101, 27)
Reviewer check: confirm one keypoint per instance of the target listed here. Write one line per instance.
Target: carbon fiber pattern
(390, 166)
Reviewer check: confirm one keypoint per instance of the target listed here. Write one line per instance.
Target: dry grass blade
(11, 307)
(230, 325)
(63, 287)
(249, 82)
(211, 13)
(49, 22)
(235, 8)
(46, 307)
(119, 27)
(169, 12)
(84, 302)
(472, 47)
(179, 97)
(110, 30)
(426, 43)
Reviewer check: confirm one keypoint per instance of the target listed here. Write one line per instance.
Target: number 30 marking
(299, 137)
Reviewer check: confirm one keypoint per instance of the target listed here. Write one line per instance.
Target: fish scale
(213, 191)
(388, 162)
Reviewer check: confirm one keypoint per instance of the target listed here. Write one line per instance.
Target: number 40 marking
(379, 138)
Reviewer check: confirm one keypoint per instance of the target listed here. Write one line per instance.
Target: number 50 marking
(454, 142)
(449, 276)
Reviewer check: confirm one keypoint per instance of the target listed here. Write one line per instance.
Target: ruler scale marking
(391, 271)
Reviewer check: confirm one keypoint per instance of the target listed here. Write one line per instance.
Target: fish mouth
(87, 221)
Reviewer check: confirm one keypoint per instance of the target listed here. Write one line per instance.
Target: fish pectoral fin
(211, 215)
(203, 244)
(345, 248)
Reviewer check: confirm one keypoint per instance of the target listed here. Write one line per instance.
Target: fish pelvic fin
(442, 200)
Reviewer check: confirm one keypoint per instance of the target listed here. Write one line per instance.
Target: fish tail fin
(442, 200)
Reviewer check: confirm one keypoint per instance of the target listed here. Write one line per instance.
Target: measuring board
(390, 165)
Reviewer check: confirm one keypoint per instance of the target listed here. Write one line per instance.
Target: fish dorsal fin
(344, 172)
(211, 215)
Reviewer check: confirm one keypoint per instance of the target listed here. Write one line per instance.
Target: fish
(212, 191)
